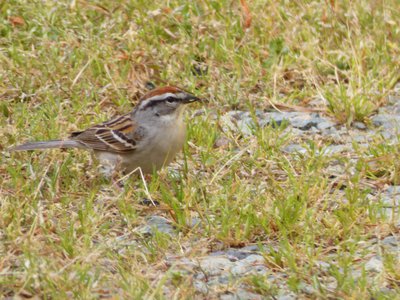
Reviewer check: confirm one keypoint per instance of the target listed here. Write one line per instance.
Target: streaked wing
(115, 135)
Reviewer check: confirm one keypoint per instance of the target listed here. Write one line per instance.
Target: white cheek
(168, 118)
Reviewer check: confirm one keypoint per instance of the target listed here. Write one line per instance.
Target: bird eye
(170, 100)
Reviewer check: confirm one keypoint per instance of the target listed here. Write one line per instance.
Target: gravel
(222, 272)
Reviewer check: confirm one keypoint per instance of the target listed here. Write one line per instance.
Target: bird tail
(47, 145)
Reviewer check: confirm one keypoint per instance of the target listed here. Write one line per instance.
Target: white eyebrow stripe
(161, 97)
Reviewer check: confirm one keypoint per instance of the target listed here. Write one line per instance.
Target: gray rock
(389, 292)
(394, 100)
(359, 125)
(224, 279)
(324, 266)
(246, 126)
(245, 295)
(335, 149)
(215, 265)
(236, 114)
(375, 264)
(396, 107)
(241, 294)
(391, 197)
(156, 223)
(335, 170)
(330, 131)
(228, 296)
(233, 254)
(387, 121)
(254, 259)
(238, 121)
(313, 130)
(391, 241)
(325, 124)
(194, 222)
(307, 288)
(261, 270)
(229, 121)
(221, 279)
(396, 88)
(186, 263)
(356, 274)
(277, 118)
(361, 139)
(200, 276)
(303, 121)
(145, 230)
(390, 213)
(286, 295)
(379, 120)
(272, 118)
(200, 286)
(393, 189)
(241, 268)
(243, 121)
(295, 148)
(293, 131)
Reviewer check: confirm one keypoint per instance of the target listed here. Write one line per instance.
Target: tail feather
(48, 145)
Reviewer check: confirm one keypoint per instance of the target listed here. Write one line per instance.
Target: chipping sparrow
(148, 137)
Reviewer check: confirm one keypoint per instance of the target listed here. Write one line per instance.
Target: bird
(149, 137)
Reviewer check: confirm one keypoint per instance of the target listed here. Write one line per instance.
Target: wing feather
(115, 135)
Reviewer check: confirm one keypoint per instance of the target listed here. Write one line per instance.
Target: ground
(288, 186)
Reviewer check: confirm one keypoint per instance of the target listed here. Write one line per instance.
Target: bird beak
(191, 98)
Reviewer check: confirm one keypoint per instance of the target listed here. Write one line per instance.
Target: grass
(65, 65)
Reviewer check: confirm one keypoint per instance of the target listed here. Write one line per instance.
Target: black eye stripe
(171, 99)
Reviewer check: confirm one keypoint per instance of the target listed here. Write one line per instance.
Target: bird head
(165, 102)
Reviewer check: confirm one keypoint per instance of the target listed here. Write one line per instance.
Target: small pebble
(158, 223)
(359, 125)
(375, 264)
(295, 148)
